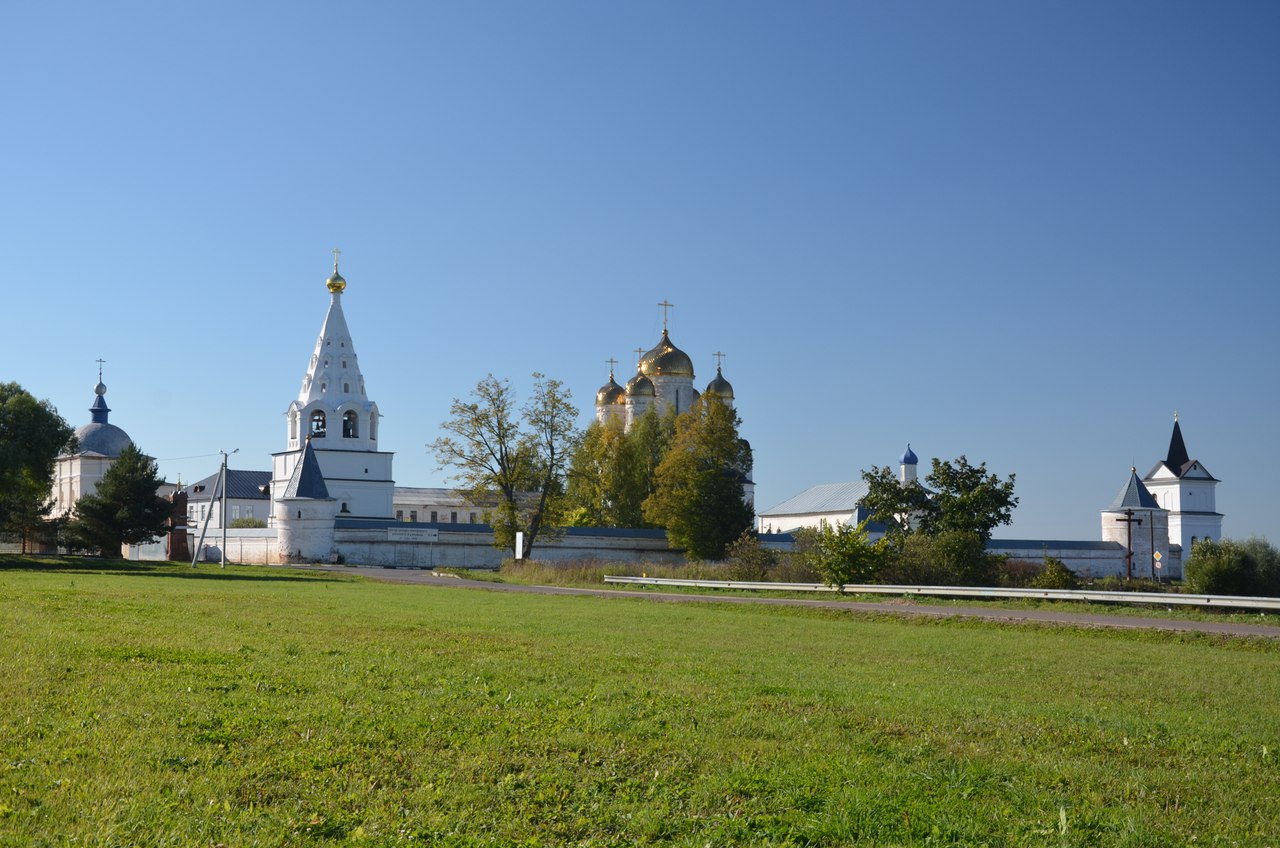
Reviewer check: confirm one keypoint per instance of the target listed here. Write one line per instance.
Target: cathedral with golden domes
(663, 381)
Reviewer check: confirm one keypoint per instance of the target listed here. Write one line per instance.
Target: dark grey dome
(106, 439)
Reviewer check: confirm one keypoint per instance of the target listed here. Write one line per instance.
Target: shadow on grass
(203, 571)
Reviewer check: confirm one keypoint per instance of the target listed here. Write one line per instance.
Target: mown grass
(148, 705)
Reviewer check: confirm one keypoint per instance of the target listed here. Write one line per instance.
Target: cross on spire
(336, 251)
(612, 362)
(665, 306)
(100, 363)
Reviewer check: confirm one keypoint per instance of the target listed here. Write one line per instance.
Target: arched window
(373, 427)
(350, 425)
(346, 388)
(317, 424)
(293, 425)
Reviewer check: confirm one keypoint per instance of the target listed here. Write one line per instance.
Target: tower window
(346, 388)
(344, 507)
(350, 425)
(317, 424)
(433, 516)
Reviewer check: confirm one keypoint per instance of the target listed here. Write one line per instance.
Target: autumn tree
(613, 470)
(699, 496)
(512, 462)
(125, 508)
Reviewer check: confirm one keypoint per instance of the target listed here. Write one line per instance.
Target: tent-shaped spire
(307, 481)
(1134, 495)
(1178, 456)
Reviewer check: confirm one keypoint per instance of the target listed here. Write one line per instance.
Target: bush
(1017, 573)
(949, 558)
(747, 559)
(841, 554)
(1229, 567)
(244, 523)
(1054, 574)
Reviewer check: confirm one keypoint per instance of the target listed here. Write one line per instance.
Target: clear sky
(1024, 232)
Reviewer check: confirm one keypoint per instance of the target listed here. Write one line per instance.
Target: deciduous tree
(513, 464)
(699, 494)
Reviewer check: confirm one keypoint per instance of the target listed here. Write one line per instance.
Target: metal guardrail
(1168, 599)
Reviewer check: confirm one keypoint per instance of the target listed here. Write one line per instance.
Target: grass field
(160, 706)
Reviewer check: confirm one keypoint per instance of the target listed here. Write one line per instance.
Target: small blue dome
(909, 458)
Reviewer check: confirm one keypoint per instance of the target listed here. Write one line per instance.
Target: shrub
(949, 558)
(1055, 575)
(1229, 567)
(1017, 573)
(842, 554)
(239, 523)
(747, 559)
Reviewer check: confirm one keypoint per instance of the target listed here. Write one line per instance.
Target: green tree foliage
(901, 509)
(614, 470)
(1231, 567)
(842, 553)
(964, 497)
(125, 508)
(512, 466)
(699, 496)
(32, 434)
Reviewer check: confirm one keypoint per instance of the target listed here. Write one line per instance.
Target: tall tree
(902, 509)
(516, 472)
(613, 470)
(969, 499)
(957, 496)
(700, 494)
(32, 434)
(125, 508)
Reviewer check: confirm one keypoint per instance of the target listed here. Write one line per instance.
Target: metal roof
(826, 497)
(241, 485)
(307, 480)
(1134, 495)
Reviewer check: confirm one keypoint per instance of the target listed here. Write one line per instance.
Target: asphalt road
(896, 607)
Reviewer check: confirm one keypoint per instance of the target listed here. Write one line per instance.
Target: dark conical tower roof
(307, 480)
(1178, 456)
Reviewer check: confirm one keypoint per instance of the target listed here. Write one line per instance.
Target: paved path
(897, 607)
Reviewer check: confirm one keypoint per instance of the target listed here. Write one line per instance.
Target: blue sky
(1024, 232)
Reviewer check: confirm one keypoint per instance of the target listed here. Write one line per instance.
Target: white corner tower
(333, 412)
(1185, 487)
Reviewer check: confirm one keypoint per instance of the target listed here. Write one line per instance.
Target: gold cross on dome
(612, 362)
(336, 251)
(639, 353)
(719, 359)
(665, 306)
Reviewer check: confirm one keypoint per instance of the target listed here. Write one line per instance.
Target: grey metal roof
(307, 481)
(241, 485)
(1134, 495)
(826, 497)
(99, 437)
(1061, 544)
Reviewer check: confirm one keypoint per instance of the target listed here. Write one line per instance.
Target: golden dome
(666, 360)
(335, 283)
(640, 385)
(720, 387)
(610, 393)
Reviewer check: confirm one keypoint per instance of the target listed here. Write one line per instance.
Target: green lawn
(161, 706)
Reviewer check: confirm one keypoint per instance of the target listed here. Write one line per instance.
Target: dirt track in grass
(894, 607)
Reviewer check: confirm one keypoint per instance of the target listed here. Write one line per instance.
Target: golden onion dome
(720, 387)
(666, 360)
(640, 386)
(336, 283)
(610, 393)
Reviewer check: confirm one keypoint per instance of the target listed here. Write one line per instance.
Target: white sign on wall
(412, 534)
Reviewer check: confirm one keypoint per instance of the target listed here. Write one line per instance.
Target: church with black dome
(99, 443)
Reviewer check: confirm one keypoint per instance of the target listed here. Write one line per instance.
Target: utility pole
(224, 504)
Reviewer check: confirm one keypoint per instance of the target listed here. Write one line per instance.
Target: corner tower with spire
(1185, 487)
(333, 412)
